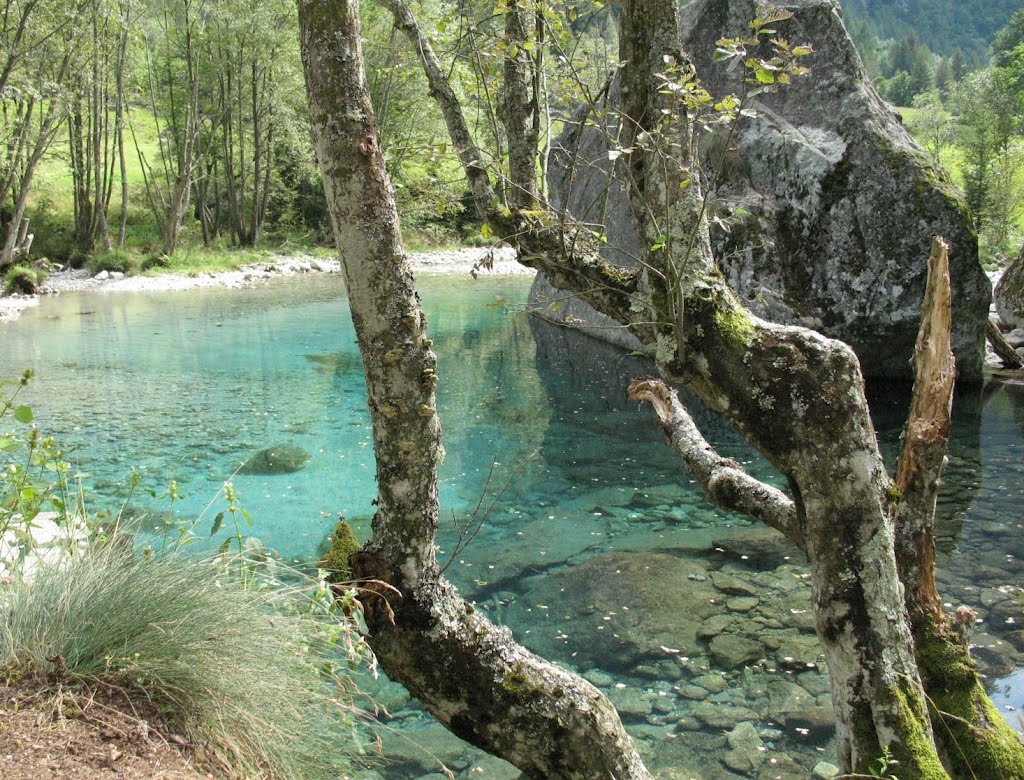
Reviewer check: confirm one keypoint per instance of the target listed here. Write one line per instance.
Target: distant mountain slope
(943, 25)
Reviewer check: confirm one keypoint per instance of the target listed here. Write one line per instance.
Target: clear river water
(596, 549)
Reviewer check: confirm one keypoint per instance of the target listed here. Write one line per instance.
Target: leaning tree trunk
(469, 673)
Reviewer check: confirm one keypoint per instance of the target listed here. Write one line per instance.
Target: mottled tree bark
(470, 674)
(518, 107)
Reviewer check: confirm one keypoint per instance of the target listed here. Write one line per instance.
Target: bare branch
(723, 479)
(1007, 354)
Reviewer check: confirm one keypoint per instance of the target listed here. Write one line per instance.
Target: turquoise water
(186, 385)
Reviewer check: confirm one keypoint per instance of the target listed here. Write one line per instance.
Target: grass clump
(236, 668)
(23, 279)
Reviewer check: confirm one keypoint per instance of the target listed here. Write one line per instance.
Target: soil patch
(88, 735)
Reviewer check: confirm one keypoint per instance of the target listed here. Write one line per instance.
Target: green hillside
(943, 25)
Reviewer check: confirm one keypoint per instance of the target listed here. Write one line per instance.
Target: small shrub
(24, 279)
(115, 260)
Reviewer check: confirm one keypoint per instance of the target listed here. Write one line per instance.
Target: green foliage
(34, 478)
(884, 766)
(115, 260)
(990, 104)
(942, 26)
(241, 669)
(24, 279)
(1008, 40)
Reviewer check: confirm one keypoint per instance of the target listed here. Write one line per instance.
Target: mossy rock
(279, 459)
(343, 544)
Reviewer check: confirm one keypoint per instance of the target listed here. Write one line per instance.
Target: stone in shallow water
(712, 683)
(742, 603)
(279, 459)
(721, 716)
(825, 771)
(746, 750)
(632, 704)
(733, 652)
(786, 697)
(617, 610)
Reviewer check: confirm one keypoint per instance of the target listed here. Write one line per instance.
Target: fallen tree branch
(1006, 353)
(724, 481)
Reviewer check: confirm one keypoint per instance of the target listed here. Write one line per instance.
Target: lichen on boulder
(279, 459)
(831, 204)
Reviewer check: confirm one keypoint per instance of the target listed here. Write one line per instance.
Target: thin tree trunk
(518, 109)
(469, 673)
(122, 61)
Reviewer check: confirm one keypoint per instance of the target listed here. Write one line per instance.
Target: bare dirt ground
(87, 735)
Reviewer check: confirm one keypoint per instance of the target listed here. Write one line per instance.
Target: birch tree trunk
(469, 673)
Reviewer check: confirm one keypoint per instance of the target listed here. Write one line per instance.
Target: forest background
(174, 134)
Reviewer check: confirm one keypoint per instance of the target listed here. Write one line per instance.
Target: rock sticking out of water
(280, 459)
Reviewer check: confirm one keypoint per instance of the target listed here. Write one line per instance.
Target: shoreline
(453, 261)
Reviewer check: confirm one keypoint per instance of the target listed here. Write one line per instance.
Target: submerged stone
(832, 205)
(617, 610)
(280, 459)
(730, 651)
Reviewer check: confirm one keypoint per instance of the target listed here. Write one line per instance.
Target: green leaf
(485, 230)
(247, 516)
(23, 415)
(218, 521)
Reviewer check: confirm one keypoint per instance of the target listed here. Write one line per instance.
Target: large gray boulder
(840, 203)
(1009, 293)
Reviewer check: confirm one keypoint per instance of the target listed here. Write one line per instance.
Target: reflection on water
(595, 548)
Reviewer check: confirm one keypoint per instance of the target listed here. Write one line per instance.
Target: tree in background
(1008, 39)
(990, 111)
(932, 125)
(38, 41)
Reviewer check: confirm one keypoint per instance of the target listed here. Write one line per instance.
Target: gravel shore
(442, 262)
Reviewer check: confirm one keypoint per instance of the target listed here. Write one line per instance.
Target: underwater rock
(1009, 293)
(280, 459)
(832, 205)
(618, 610)
(729, 651)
